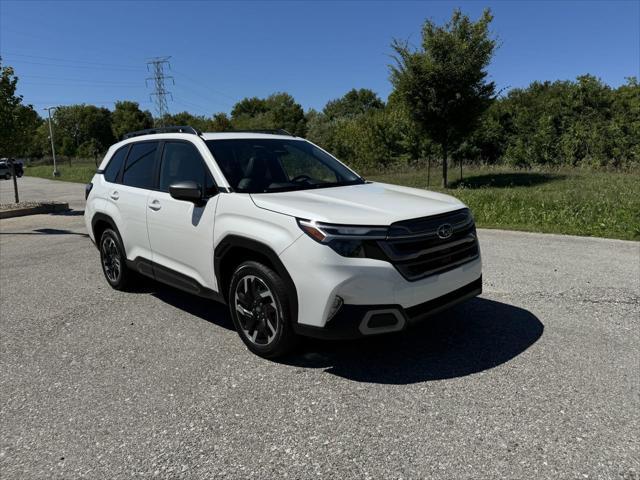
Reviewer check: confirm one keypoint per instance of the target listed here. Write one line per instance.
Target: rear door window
(140, 167)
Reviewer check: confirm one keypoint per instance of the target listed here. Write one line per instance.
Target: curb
(50, 207)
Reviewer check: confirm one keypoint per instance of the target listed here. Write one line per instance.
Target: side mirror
(188, 191)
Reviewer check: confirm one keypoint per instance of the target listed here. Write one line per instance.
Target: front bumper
(365, 285)
(355, 321)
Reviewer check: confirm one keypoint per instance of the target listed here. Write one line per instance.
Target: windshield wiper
(312, 186)
(337, 184)
(284, 189)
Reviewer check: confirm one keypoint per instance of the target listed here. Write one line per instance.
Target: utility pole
(53, 148)
(159, 96)
(12, 163)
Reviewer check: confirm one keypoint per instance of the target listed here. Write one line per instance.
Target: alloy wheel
(111, 259)
(257, 310)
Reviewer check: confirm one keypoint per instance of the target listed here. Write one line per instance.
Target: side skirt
(173, 278)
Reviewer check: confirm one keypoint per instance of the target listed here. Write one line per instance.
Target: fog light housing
(348, 248)
(335, 307)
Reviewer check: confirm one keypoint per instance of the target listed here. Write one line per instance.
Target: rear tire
(7, 176)
(260, 308)
(114, 260)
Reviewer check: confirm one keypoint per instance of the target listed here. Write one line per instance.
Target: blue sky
(95, 51)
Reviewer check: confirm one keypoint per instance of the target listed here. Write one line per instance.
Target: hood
(364, 204)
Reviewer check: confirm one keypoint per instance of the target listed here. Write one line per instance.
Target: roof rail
(275, 131)
(171, 129)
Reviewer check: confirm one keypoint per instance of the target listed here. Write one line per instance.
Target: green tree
(27, 122)
(279, 110)
(17, 121)
(444, 83)
(40, 145)
(323, 131)
(353, 103)
(127, 117)
(83, 128)
(372, 140)
(251, 107)
(582, 122)
(199, 122)
(625, 122)
(220, 122)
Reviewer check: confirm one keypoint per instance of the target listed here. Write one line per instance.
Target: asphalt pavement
(537, 378)
(33, 189)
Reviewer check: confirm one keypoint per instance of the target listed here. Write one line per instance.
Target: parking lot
(537, 378)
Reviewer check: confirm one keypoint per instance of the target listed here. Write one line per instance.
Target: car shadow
(68, 213)
(506, 180)
(47, 231)
(472, 337)
(209, 310)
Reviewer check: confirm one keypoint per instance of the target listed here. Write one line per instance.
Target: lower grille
(422, 310)
(417, 250)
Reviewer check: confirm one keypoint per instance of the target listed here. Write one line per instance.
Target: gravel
(16, 206)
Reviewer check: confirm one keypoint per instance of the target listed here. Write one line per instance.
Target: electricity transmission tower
(159, 96)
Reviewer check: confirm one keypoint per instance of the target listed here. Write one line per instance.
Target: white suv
(294, 241)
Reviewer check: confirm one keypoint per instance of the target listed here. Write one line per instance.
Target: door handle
(114, 195)
(155, 205)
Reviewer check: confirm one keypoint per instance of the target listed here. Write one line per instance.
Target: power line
(192, 106)
(65, 103)
(89, 67)
(81, 83)
(211, 99)
(160, 93)
(56, 78)
(67, 60)
(205, 87)
(79, 48)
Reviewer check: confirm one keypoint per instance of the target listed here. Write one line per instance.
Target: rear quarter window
(115, 164)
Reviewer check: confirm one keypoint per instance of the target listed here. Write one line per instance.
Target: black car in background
(5, 168)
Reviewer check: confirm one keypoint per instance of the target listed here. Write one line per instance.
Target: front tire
(7, 176)
(114, 260)
(259, 305)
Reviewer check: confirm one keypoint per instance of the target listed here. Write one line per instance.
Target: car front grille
(417, 248)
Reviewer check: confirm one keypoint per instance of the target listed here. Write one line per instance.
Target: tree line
(441, 107)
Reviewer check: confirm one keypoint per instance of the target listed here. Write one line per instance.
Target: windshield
(256, 165)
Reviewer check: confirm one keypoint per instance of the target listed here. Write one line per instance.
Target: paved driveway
(33, 189)
(538, 378)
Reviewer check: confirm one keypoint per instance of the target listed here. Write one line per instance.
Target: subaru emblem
(444, 231)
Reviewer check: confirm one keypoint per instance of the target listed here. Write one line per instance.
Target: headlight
(346, 240)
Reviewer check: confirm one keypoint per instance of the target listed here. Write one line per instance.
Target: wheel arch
(99, 223)
(232, 250)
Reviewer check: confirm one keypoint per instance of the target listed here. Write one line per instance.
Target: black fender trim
(97, 217)
(227, 244)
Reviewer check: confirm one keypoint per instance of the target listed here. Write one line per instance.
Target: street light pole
(53, 148)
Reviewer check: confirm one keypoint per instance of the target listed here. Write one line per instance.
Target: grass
(76, 172)
(570, 201)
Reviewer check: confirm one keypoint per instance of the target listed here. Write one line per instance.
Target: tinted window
(182, 162)
(296, 163)
(113, 168)
(138, 172)
(275, 165)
